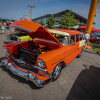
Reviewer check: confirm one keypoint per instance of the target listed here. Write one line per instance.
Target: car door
(71, 50)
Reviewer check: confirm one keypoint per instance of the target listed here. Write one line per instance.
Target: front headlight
(5, 49)
(40, 63)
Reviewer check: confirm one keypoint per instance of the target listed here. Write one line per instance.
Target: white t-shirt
(87, 36)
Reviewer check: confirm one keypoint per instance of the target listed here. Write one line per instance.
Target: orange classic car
(41, 59)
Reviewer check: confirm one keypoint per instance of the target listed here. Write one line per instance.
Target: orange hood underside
(34, 30)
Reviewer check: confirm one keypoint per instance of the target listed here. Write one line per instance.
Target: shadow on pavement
(22, 80)
(87, 85)
(90, 52)
(2, 59)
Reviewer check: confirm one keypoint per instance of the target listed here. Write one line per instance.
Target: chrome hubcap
(57, 71)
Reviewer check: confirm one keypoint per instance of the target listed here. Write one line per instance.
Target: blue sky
(15, 9)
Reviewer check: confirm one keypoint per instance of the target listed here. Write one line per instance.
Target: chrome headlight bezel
(40, 63)
(5, 49)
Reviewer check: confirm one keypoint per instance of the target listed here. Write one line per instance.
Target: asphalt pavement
(80, 80)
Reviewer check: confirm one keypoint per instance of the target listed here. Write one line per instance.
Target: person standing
(2, 28)
(82, 33)
(4, 25)
(0, 25)
(7, 26)
(87, 36)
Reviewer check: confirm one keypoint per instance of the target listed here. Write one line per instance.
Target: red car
(92, 39)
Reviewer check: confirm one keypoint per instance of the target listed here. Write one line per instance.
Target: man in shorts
(87, 36)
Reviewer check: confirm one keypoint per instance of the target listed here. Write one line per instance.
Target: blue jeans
(86, 40)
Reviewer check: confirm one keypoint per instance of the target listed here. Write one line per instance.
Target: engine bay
(30, 54)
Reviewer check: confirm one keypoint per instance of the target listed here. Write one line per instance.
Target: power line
(28, 12)
(37, 2)
(27, 8)
(30, 2)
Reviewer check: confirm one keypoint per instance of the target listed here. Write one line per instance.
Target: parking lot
(80, 80)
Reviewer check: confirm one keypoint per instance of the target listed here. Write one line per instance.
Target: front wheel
(56, 71)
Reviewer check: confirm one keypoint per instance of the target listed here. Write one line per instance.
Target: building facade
(58, 16)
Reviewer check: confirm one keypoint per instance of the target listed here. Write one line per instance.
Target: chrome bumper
(26, 75)
(11, 40)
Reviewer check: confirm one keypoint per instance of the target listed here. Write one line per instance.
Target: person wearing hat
(87, 36)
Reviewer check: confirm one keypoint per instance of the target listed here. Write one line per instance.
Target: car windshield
(61, 38)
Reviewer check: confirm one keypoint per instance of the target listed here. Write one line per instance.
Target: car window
(61, 38)
(72, 39)
(77, 38)
(81, 36)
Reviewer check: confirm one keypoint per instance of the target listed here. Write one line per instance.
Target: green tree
(68, 20)
(41, 23)
(51, 21)
(34, 21)
(13, 20)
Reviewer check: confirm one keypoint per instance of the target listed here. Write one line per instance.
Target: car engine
(30, 54)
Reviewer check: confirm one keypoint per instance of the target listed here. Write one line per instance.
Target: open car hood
(34, 30)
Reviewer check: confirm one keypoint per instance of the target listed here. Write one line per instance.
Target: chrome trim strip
(21, 28)
(7, 54)
(40, 68)
(63, 57)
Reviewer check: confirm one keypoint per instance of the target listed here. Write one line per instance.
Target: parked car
(18, 36)
(97, 38)
(92, 38)
(41, 60)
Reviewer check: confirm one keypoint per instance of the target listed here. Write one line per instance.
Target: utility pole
(31, 12)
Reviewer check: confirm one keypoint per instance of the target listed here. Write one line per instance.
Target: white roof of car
(57, 32)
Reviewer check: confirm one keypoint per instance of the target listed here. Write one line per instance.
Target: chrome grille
(12, 37)
(24, 66)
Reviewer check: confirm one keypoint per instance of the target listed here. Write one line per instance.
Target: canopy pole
(91, 16)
